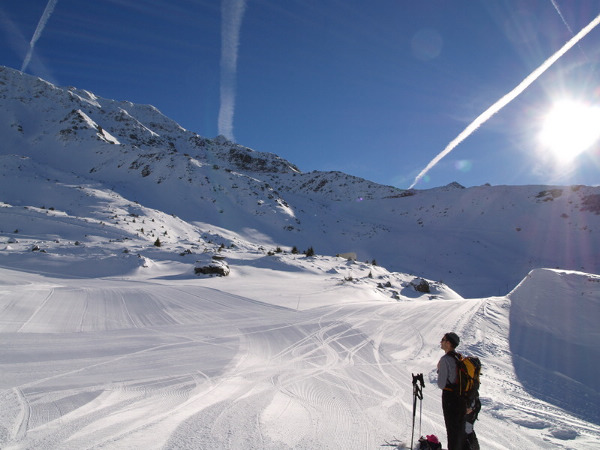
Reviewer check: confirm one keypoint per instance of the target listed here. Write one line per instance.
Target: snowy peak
(135, 127)
(77, 121)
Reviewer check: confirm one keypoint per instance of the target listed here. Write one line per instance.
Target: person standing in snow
(453, 405)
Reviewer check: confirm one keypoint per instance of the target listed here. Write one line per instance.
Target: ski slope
(293, 353)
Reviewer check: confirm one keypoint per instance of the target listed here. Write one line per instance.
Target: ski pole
(417, 393)
(420, 414)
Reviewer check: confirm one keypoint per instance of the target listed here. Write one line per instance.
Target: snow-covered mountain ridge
(114, 341)
(94, 161)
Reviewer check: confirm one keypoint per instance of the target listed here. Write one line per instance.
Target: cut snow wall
(554, 335)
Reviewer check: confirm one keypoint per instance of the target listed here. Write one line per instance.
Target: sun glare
(570, 128)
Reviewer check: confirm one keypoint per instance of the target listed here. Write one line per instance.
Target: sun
(570, 128)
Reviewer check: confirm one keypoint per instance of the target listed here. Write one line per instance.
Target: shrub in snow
(421, 285)
(157, 242)
(221, 270)
(216, 265)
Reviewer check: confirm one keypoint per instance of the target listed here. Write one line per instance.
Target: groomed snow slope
(287, 352)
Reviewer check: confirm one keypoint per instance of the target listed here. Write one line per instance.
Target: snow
(109, 341)
(303, 360)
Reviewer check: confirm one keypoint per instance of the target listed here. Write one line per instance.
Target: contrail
(232, 13)
(561, 15)
(38, 31)
(507, 98)
(564, 21)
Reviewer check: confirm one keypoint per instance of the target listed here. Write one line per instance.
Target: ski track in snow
(39, 308)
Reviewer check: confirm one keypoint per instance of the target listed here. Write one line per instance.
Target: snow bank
(554, 325)
(78, 266)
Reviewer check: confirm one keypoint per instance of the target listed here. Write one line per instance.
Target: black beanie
(452, 338)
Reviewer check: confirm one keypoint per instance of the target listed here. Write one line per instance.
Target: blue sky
(374, 89)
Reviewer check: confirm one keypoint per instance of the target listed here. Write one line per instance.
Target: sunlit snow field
(286, 352)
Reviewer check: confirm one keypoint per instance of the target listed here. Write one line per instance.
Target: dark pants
(455, 409)
(471, 442)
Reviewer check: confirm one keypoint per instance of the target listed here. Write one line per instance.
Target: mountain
(111, 339)
(481, 240)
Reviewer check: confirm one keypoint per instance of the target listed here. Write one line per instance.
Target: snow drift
(554, 326)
